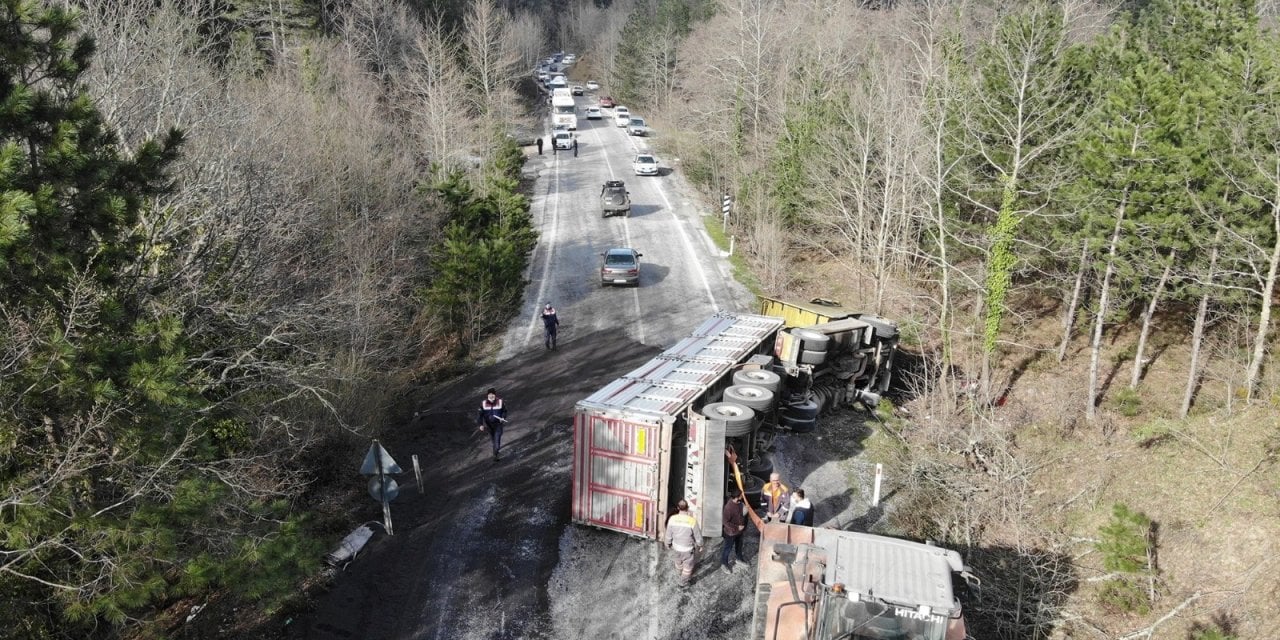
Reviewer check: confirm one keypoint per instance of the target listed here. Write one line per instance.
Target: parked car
(637, 127)
(646, 165)
(578, 90)
(606, 102)
(594, 113)
(615, 199)
(592, 85)
(621, 116)
(620, 266)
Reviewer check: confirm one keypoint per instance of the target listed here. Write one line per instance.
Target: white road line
(626, 235)
(553, 194)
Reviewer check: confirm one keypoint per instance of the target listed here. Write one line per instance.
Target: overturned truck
(658, 433)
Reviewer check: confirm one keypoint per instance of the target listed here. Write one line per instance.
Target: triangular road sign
(376, 455)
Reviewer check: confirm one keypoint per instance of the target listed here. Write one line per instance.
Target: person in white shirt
(801, 511)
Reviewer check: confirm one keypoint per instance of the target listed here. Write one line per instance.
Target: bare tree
(491, 58)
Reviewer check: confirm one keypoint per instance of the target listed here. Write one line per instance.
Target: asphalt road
(486, 550)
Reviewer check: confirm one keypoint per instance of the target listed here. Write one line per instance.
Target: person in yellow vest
(685, 539)
(775, 496)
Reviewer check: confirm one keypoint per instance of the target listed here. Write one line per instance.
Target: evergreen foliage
(109, 477)
(479, 267)
(1125, 544)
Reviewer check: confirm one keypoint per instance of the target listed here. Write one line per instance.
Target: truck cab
(826, 584)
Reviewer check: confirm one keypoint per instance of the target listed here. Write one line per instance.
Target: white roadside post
(417, 472)
(725, 205)
(875, 492)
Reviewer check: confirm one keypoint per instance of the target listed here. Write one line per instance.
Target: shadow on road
(468, 549)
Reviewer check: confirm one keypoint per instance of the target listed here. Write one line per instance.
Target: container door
(617, 473)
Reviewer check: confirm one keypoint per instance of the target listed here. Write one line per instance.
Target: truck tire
(799, 425)
(758, 377)
(801, 410)
(737, 419)
(752, 485)
(813, 340)
(812, 357)
(761, 466)
(749, 395)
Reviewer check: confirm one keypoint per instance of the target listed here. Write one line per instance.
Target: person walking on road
(554, 148)
(575, 147)
(685, 539)
(493, 414)
(550, 325)
(732, 527)
(774, 493)
(539, 145)
(801, 509)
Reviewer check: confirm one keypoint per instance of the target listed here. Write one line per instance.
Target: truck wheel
(812, 357)
(761, 467)
(801, 410)
(737, 418)
(813, 340)
(759, 378)
(751, 486)
(748, 395)
(799, 425)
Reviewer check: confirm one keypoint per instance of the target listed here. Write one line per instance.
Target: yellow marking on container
(639, 524)
(640, 440)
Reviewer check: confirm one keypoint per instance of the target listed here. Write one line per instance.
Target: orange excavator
(825, 584)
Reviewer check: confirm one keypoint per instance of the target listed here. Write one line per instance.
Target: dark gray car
(620, 266)
(615, 199)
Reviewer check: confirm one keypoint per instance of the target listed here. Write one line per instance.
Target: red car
(606, 101)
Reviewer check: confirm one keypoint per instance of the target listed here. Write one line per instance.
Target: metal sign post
(378, 463)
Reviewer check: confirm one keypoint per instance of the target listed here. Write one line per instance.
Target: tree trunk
(1146, 321)
(1264, 315)
(1068, 320)
(1197, 335)
(1103, 293)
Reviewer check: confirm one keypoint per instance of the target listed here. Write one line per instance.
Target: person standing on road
(773, 493)
(733, 527)
(575, 147)
(554, 148)
(550, 325)
(801, 509)
(684, 538)
(493, 414)
(539, 145)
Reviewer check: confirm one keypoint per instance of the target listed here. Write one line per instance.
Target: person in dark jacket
(575, 147)
(550, 325)
(801, 509)
(733, 526)
(493, 414)
(539, 145)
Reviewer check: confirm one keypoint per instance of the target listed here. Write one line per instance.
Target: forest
(234, 235)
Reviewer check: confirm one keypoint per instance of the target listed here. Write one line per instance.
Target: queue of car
(618, 265)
